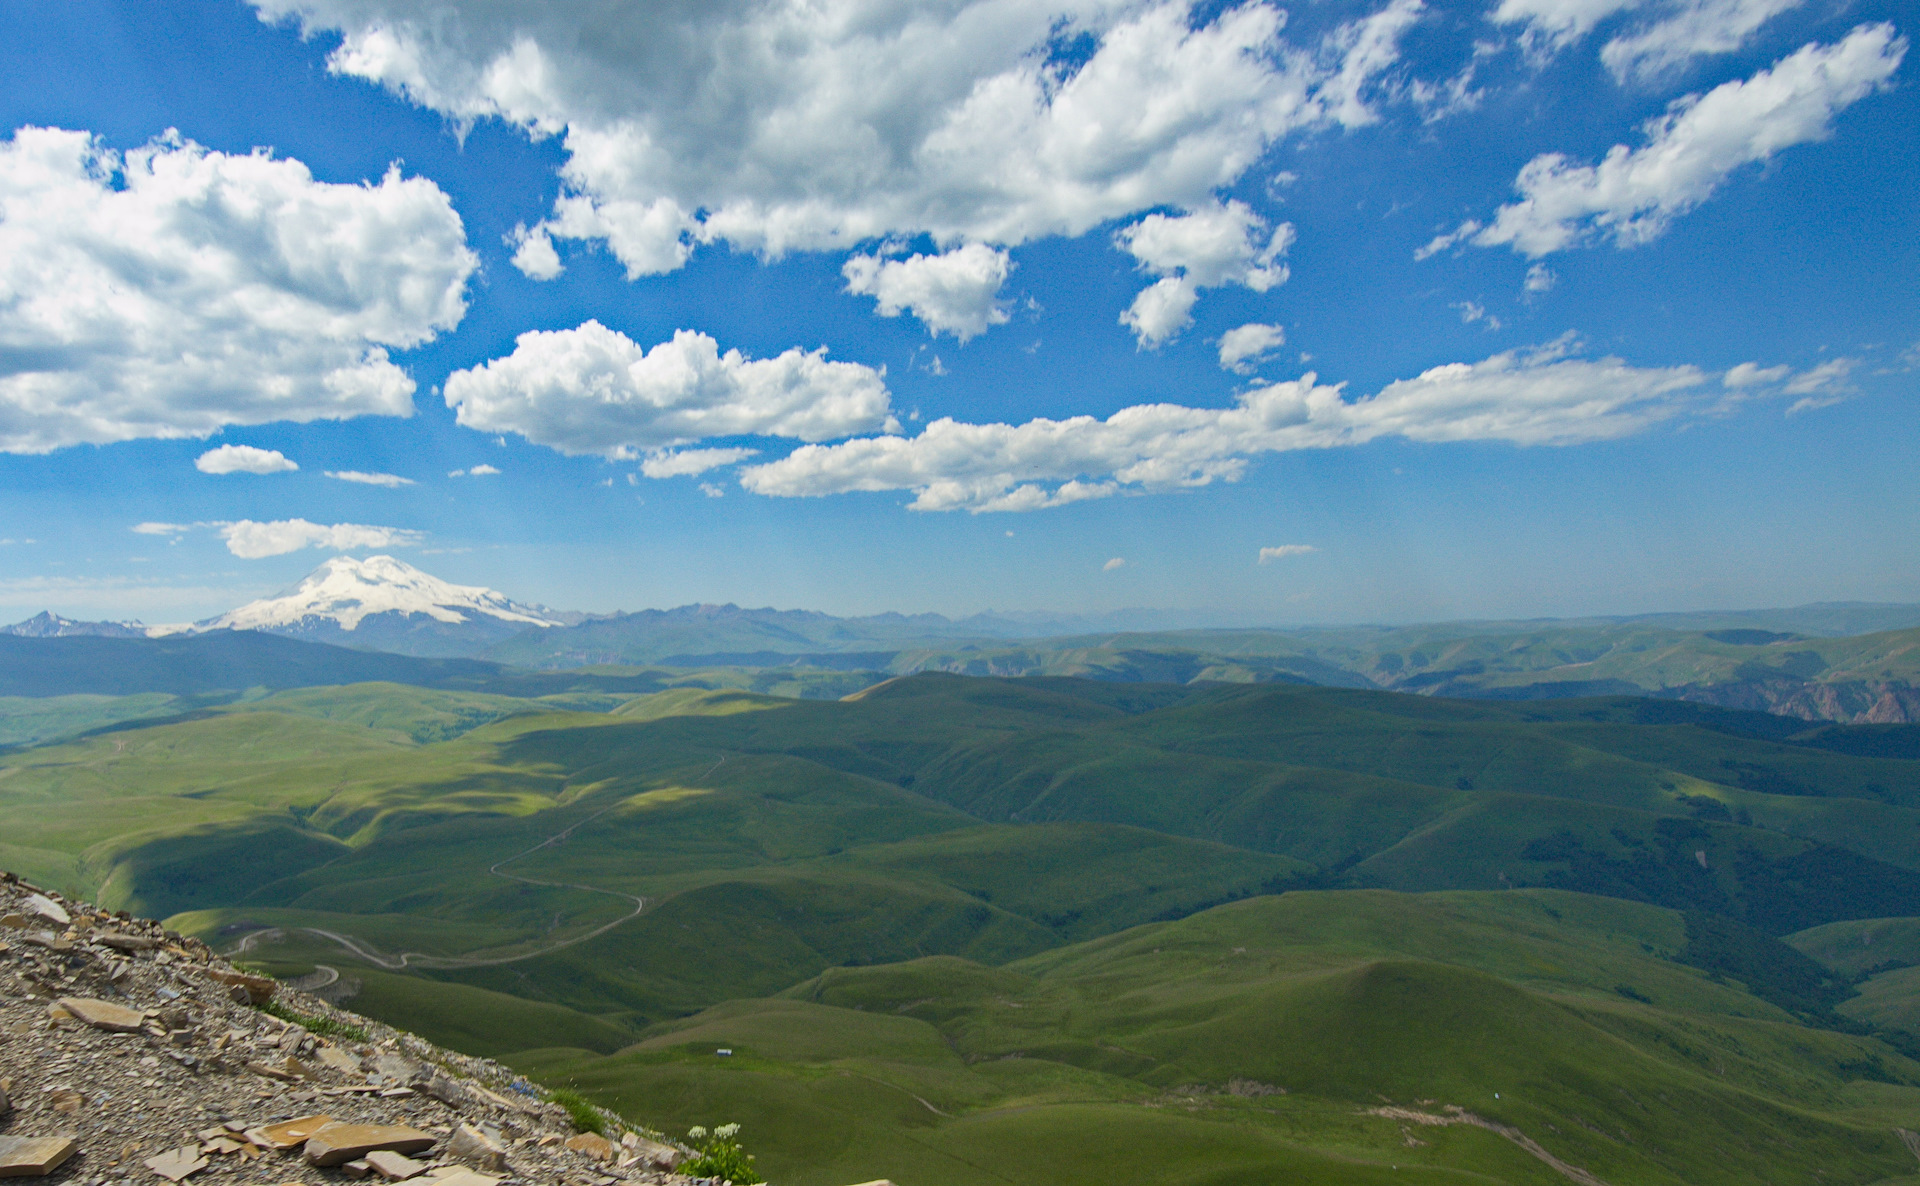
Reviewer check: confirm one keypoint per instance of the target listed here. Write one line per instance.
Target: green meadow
(1042, 931)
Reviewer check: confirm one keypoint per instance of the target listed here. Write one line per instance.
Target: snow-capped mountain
(51, 625)
(385, 604)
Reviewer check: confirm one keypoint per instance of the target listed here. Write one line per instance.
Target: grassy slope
(28, 720)
(1369, 787)
(947, 1071)
(1883, 956)
(780, 840)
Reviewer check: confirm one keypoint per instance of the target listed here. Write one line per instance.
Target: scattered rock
(259, 989)
(337, 1144)
(394, 1068)
(46, 908)
(123, 942)
(104, 1015)
(593, 1145)
(478, 1150)
(33, 1157)
(140, 1040)
(176, 1164)
(652, 1154)
(448, 1090)
(336, 1059)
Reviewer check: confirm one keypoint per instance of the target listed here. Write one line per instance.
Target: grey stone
(477, 1149)
(48, 909)
(448, 1090)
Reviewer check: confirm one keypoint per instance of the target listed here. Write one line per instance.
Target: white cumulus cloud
(1687, 31)
(957, 292)
(1162, 309)
(1752, 374)
(1816, 387)
(1552, 25)
(171, 291)
(1635, 193)
(1543, 396)
(1116, 562)
(1269, 555)
(1677, 31)
(688, 462)
(390, 481)
(595, 390)
(777, 126)
(1243, 347)
(244, 459)
(1216, 244)
(253, 541)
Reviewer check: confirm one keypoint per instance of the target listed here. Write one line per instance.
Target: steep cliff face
(1848, 702)
(130, 1054)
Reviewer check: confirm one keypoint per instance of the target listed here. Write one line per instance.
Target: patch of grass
(580, 1110)
(326, 1027)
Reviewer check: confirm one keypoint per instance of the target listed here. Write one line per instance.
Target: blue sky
(1523, 308)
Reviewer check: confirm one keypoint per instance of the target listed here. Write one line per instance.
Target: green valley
(1211, 933)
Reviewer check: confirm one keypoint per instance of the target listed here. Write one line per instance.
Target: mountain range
(1832, 661)
(51, 625)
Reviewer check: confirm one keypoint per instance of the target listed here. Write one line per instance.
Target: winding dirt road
(418, 959)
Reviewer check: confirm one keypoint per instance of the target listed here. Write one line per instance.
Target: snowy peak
(51, 625)
(345, 591)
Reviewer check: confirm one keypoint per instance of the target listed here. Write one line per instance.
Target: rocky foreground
(131, 1056)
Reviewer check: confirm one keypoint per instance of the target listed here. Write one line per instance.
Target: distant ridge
(51, 625)
(1854, 662)
(233, 661)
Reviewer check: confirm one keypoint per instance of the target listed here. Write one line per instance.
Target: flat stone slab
(337, 1144)
(123, 942)
(176, 1164)
(33, 1157)
(336, 1059)
(287, 1133)
(105, 1015)
(395, 1167)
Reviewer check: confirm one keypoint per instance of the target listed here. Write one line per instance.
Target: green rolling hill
(949, 923)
